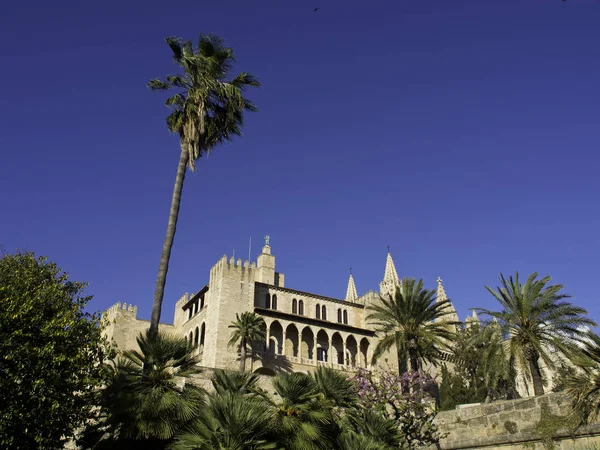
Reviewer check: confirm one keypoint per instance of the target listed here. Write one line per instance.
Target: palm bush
(148, 395)
(230, 421)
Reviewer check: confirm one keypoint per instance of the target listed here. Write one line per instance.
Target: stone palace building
(303, 329)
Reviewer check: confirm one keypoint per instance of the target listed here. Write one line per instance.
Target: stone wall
(124, 327)
(538, 423)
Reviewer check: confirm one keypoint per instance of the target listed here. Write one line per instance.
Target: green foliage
(455, 389)
(563, 373)
(550, 423)
(412, 322)
(50, 354)
(466, 382)
(536, 321)
(207, 109)
(148, 395)
(584, 385)
(230, 421)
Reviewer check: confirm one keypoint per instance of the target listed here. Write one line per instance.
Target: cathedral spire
(451, 315)
(390, 278)
(351, 294)
(441, 292)
(390, 275)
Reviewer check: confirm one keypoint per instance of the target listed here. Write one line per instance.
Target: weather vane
(267, 239)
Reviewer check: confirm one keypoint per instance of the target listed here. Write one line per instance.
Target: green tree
(207, 110)
(475, 373)
(535, 321)
(149, 395)
(247, 329)
(51, 354)
(412, 322)
(499, 374)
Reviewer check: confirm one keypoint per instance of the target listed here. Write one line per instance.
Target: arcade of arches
(307, 344)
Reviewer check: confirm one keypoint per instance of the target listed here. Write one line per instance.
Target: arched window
(196, 307)
(202, 302)
(202, 331)
(339, 315)
(191, 337)
(196, 336)
(185, 337)
(190, 312)
(267, 301)
(301, 307)
(318, 311)
(294, 306)
(274, 302)
(323, 313)
(346, 317)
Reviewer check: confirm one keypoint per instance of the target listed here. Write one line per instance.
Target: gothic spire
(351, 294)
(451, 315)
(390, 275)
(390, 282)
(441, 292)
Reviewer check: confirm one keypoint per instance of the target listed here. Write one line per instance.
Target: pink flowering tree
(405, 398)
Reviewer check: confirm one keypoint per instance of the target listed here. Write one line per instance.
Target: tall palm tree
(413, 322)
(207, 111)
(148, 395)
(247, 329)
(536, 322)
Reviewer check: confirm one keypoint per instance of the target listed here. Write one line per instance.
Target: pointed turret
(390, 278)
(351, 294)
(472, 319)
(451, 316)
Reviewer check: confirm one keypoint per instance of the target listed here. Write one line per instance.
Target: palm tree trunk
(163, 267)
(414, 364)
(243, 356)
(536, 375)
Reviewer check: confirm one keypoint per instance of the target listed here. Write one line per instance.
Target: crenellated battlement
(368, 298)
(225, 267)
(122, 307)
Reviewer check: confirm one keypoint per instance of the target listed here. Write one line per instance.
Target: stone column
(314, 352)
(344, 350)
(268, 336)
(283, 343)
(329, 352)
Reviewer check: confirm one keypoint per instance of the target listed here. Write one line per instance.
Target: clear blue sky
(464, 134)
